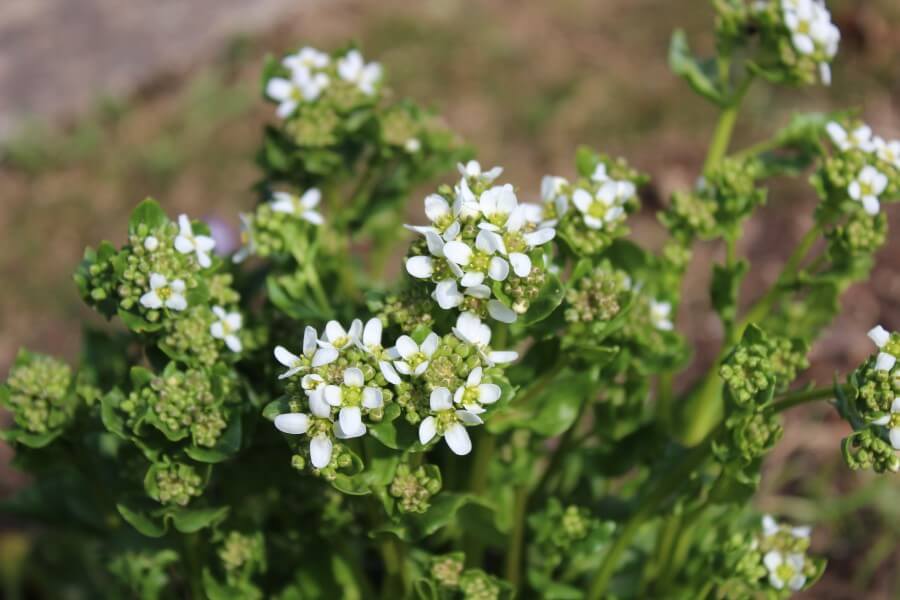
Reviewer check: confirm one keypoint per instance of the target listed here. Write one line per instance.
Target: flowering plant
(502, 418)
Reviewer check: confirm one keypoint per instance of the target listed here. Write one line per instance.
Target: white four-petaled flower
(303, 206)
(867, 187)
(303, 86)
(312, 355)
(785, 569)
(472, 170)
(165, 293)
(306, 58)
(413, 359)
(353, 69)
(859, 138)
(351, 397)
(226, 327)
(186, 242)
(880, 337)
(471, 330)
(474, 395)
(447, 422)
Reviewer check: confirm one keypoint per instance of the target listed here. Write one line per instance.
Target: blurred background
(103, 103)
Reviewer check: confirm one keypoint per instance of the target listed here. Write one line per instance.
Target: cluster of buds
(180, 404)
(863, 167)
(242, 555)
(590, 212)
(39, 393)
(413, 488)
(480, 250)
(783, 549)
(276, 226)
(348, 377)
(174, 483)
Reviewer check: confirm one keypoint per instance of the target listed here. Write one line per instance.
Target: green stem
(661, 490)
(484, 452)
(517, 537)
(791, 400)
(721, 137)
(397, 583)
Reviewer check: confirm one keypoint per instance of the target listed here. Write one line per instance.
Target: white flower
(472, 170)
(303, 85)
(248, 245)
(785, 570)
(471, 330)
(880, 337)
(599, 175)
(151, 243)
(474, 395)
(448, 296)
(889, 152)
(412, 145)
(351, 398)
(866, 188)
(551, 193)
(481, 262)
(466, 205)
(447, 423)
(226, 328)
(500, 207)
(892, 422)
(771, 527)
(307, 59)
(186, 242)
(163, 293)
(660, 315)
(353, 69)
(290, 204)
(320, 446)
(438, 211)
(312, 355)
(414, 358)
(860, 138)
(338, 338)
(599, 208)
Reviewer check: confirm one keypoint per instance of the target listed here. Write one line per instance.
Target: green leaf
(226, 446)
(443, 511)
(550, 297)
(699, 75)
(190, 520)
(137, 323)
(549, 411)
(147, 213)
(137, 516)
(394, 434)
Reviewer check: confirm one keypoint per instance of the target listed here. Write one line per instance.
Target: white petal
(390, 374)
(317, 404)
(769, 525)
(871, 205)
(895, 437)
(313, 217)
(539, 237)
(184, 244)
(582, 199)
(458, 252)
(895, 405)
(430, 344)
(503, 357)
(885, 361)
(882, 420)
(151, 300)
(474, 377)
(320, 451)
(279, 89)
(420, 368)
(447, 295)
(489, 242)
(488, 393)
(440, 399)
(354, 377)
(772, 560)
(333, 395)
(458, 439)
(406, 346)
(324, 356)
(157, 281)
(233, 342)
(521, 264)
(427, 430)
(176, 302)
(479, 291)
(372, 398)
(879, 335)
(217, 330)
(403, 367)
(501, 312)
(334, 331)
(285, 109)
(311, 198)
(472, 278)
(420, 267)
(498, 269)
(436, 207)
(350, 418)
(310, 338)
(293, 423)
(372, 332)
(469, 418)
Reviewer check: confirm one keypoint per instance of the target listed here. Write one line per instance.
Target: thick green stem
(650, 502)
(517, 537)
(397, 583)
(787, 401)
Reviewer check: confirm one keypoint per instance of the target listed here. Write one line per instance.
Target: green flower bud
(39, 393)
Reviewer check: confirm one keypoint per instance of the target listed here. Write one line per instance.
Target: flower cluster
(864, 168)
(163, 284)
(413, 488)
(590, 212)
(40, 394)
(871, 403)
(348, 378)
(277, 226)
(174, 483)
(783, 550)
(481, 249)
(311, 75)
